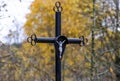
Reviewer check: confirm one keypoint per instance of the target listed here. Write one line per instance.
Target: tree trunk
(117, 58)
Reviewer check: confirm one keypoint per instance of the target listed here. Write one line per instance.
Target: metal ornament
(60, 45)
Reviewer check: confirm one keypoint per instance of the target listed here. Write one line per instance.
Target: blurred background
(97, 20)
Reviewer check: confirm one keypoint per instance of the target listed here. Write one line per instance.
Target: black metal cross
(59, 41)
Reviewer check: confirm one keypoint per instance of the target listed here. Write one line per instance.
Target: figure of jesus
(60, 43)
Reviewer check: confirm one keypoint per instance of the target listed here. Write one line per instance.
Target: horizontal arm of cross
(52, 40)
(44, 40)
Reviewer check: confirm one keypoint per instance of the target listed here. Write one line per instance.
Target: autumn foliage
(96, 61)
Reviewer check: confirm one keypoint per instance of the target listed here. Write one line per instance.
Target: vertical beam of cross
(57, 10)
(58, 41)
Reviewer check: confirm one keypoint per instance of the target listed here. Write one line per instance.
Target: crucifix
(59, 40)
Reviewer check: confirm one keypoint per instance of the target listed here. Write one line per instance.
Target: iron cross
(59, 41)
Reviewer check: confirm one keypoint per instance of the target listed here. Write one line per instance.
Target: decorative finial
(57, 7)
(31, 39)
